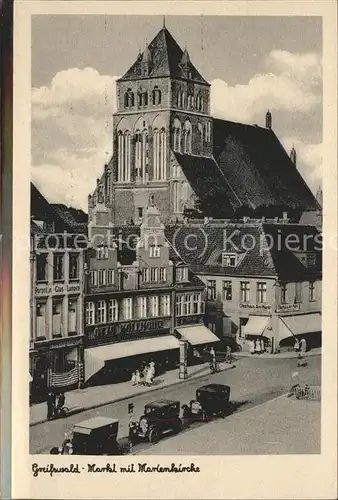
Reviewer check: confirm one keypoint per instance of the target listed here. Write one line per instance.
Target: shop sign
(188, 320)
(287, 307)
(117, 331)
(58, 288)
(262, 307)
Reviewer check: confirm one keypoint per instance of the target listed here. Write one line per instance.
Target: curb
(133, 395)
(274, 356)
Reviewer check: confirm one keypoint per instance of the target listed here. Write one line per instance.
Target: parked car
(212, 400)
(160, 417)
(96, 436)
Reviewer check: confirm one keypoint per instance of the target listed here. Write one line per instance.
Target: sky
(252, 63)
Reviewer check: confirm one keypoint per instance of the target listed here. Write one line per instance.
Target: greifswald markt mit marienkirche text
(52, 469)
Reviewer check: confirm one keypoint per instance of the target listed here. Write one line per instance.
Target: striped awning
(64, 379)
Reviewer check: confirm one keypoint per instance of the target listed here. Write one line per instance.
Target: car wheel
(153, 436)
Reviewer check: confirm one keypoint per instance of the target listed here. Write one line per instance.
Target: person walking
(262, 346)
(133, 378)
(213, 357)
(50, 406)
(303, 346)
(296, 345)
(148, 379)
(258, 346)
(252, 347)
(137, 377)
(228, 354)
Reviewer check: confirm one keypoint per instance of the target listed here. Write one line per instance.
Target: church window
(208, 131)
(187, 137)
(108, 186)
(159, 159)
(129, 99)
(141, 154)
(177, 197)
(199, 103)
(190, 101)
(157, 96)
(123, 156)
(180, 99)
(200, 130)
(142, 98)
(177, 135)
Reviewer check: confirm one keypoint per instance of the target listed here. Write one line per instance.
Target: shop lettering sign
(287, 307)
(58, 288)
(265, 307)
(117, 330)
(188, 320)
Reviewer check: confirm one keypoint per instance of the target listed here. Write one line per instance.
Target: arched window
(141, 154)
(123, 156)
(126, 100)
(187, 137)
(157, 96)
(159, 157)
(142, 97)
(177, 135)
(190, 101)
(200, 130)
(199, 102)
(208, 131)
(129, 99)
(180, 99)
(177, 197)
(108, 187)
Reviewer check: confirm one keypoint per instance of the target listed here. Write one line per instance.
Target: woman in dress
(258, 346)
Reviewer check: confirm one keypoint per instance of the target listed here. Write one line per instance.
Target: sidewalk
(282, 355)
(94, 397)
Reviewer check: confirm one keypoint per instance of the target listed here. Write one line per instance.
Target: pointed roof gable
(166, 56)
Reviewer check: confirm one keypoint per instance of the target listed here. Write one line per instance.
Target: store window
(261, 293)
(101, 312)
(312, 291)
(58, 266)
(41, 308)
(142, 307)
(113, 310)
(90, 313)
(298, 292)
(211, 289)
(73, 266)
(283, 293)
(57, 316)
(242, 323)
(41, 267)
(72, 315)
(154, 306)
(128, 308)
(227, 290)
(245, 291)
(165, 305)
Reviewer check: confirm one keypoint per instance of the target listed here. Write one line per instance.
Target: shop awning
(299, 325)
(197, 334)
(95, 357)
(256, 325)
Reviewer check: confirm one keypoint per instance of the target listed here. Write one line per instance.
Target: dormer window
(182, 274)
(102, 252)
(229, 259)
(310, 259)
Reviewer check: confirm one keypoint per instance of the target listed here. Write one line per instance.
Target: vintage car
(211, 401)
(96, 436)
(160, 417)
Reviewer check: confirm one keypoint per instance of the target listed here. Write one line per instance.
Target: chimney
(268, 120)
(293, 156)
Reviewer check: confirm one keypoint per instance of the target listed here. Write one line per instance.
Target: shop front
(307, 326)
(113, 351)
(198, 339)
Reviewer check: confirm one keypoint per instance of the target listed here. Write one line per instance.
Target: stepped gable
(258, 168)
(166, 61)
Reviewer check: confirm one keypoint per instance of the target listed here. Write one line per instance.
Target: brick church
(167, 147)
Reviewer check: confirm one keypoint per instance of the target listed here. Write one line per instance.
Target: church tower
(163, 111)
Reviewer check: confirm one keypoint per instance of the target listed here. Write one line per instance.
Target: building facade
(258, 284)
(139, 294)
(56, 302)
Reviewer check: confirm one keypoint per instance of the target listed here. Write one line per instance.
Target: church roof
(258, 168)
(166, 56)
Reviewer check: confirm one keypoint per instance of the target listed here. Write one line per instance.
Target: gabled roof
(75, 220)
(258, 168)
(261, 249)
(166, 55)
(209, 184)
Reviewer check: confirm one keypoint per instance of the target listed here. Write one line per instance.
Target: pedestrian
(303, 346)
(296, 345)
(152, 370)
(213, 357)
(149, 377)
(185, 414)
(252, 347)
(55, 410)
(137, 377)
(50, 406)
(144, 373)
(258, 346)
(133, 378)
(228, 354)
(262, 346)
